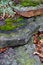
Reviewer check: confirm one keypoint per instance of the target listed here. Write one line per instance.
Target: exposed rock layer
(31, 13)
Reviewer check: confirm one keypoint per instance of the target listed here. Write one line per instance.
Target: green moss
(9, 20)
(7, 27)
(19, 19)
(29, 3)
(10, 27)
(9, 24)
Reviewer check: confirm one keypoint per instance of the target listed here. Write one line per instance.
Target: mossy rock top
(11, 24)
(20, 36)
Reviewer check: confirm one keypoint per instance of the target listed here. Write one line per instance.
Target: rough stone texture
(29, 11)
(25, 9)
(20, 37)
(22, 55)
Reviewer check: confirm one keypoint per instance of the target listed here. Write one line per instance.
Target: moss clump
(29, 3)
(19, 19)
(7, 27)
(10, 27)
(10, 24)
(10, 20)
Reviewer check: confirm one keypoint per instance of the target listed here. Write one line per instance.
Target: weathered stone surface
(23, 54)
(20, 37)
(20, 56)
(29, 11)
